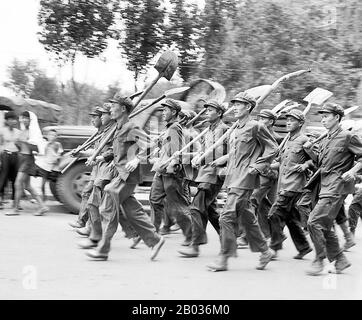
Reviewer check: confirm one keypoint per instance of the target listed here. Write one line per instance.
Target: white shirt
(8, 138)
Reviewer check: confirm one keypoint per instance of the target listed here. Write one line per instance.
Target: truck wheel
(69, 186)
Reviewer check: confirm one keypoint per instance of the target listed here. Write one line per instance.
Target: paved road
(40, 260)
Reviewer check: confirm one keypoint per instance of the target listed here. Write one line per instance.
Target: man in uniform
(83, 215)
(249, 141)
(102, 173)
(338, 151)
(293, 163)
(168, 181)
(203, 207)
(129, 147)
(264, 196)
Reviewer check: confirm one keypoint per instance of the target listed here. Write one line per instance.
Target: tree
(183, 31)
(142, 35)
(72, 28)
(22, 76)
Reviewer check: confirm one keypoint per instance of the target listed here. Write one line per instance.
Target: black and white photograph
(180, 155)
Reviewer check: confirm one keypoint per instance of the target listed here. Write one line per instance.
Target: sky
(18, 39)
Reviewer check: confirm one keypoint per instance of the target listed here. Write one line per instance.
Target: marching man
(338, 151)
(249, 141)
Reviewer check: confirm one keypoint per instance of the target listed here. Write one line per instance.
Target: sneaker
(75, 224)
(135, 242)
(341, 263)
(12, 212)
(264, 259)
(349, 244)
(156, 248)
(83, 231)
(42, 211)
(219, 265)
(242, 243)
(186, 243)
(190, 252)
(164, 230)
(302, 253)
(87, 244)
(275, 255)
(316, 267)
(94, 254)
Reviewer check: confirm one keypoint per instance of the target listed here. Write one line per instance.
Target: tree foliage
(142, 36)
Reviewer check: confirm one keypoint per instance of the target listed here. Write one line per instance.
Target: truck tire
(69, 186)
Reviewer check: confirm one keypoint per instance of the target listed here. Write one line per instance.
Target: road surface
(40, 260)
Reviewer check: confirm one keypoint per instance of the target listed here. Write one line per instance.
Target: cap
(187, 114)
(126, 101)
(95, 112)
(173, 104)
(332, 108)
(106, 108)
(269, 114)
(244, 97)
(297, 114)
(10, 115)
(215, 104)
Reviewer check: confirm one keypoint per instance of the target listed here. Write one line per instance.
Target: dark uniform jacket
(249, 141)
(208, 174)
(337, 153)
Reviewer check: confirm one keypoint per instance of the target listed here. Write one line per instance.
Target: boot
(242, 243)
(219, 265)
(190, 252)
(341, 263)
(316, 267)
(347, 236)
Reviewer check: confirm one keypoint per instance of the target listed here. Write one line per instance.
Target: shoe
(349, 244)
(164, 230)
(264, 259)
(156, 248)
(316, 267)
(341, 263)
(275, 255)
(1, 206)
(219, 265)
(186, 243)
(302, 253)
(83, 231)
(12, 212)
(94, 254)
(190, 252)
(174, 228)
(135, 242)
(75, 224)
(41, 211)
(242, 243)
(87, 244)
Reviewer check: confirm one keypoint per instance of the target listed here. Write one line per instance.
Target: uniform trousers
(119, 201)
(204, 209)
(238, 205)
(172, 187)
(320, 225)
(284, 212)
(355, 210)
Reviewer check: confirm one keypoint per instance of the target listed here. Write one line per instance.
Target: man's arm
(269, 145)
(354, 146)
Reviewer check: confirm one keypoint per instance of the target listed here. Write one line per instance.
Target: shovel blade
(280, 105)
(175, 91)
(166, 65)
(318, 96)
(257, 92)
